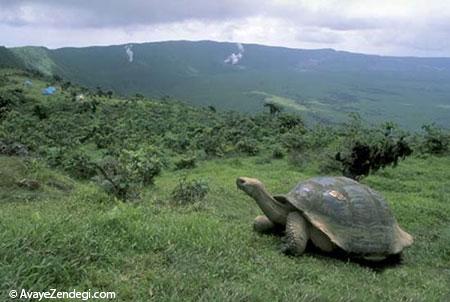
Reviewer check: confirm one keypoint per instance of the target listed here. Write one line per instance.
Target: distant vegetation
(322, 85)
(123, 144)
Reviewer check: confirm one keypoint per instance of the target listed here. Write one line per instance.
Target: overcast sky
(388, 27)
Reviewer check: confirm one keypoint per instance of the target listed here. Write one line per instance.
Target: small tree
(366, 150)
(126, 175)
(274, 109)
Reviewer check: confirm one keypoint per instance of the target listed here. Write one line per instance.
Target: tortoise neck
(274, 210)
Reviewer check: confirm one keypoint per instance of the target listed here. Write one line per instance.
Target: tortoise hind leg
(297, 234)
(321, 240)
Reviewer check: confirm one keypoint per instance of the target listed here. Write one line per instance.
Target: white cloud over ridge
(234, 58)
(129, 52)
(400, 27)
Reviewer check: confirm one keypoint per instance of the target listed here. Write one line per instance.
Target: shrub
(274, 108)
(288, 122)
(295, 140)
(248, 146)
(114, 179)
(54, 156)
(299, 160)
(179, 143)
(79, 165)
(320, 137)
(366, 150)
(186, 163)
(126, 174)
(5, 103)
(41, 112)
(142, 165)
(434, 140)
(188, 191)
(211, 141)
(277, 152)
(328, 164)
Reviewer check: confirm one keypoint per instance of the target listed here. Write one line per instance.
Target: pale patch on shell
(304, 190)
(337, 195)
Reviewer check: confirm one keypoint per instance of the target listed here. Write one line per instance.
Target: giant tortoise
(332, 212)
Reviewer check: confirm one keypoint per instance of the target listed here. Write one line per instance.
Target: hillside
(9, 60)
(138, 196)
(322, 84)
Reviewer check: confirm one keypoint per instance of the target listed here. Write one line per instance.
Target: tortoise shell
(352, 215)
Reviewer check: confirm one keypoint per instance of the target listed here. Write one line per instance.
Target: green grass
(152, 250)
(282, 101)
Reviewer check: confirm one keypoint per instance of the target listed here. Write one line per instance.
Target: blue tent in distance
(49, 90)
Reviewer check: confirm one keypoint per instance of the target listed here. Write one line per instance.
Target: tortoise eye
(240, 181)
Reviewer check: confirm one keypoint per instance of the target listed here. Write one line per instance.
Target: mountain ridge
(235, 42)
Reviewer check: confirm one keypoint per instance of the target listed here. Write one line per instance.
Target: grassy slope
(207, 251)
(8, 59)
(36, 58)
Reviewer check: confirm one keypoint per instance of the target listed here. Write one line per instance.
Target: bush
(178, 143)
(79, 165)
(277, 152)
(54, 156)
(320, 137)
(366, 150)
(114, 178)
(328, 164)
(295, 140)
(41, 112)
(10, 98)
(186, 163)
(126, 175)
(248, 146)
(188, 191)
(288, 122)
(5, 103)
(142, 165)
(434, 140)
(211, 141)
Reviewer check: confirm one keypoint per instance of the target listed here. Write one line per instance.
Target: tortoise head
(274, 210)
(251, 186)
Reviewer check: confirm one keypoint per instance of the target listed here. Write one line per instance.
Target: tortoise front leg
(263, 225)
(297, 234)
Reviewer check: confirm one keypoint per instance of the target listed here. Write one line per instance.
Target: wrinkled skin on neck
(274, 210)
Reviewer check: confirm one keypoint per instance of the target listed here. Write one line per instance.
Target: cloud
(116, 13)
(401, 27)
(129, 52)
(319, 35)
(240, 47)
(234, 58)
